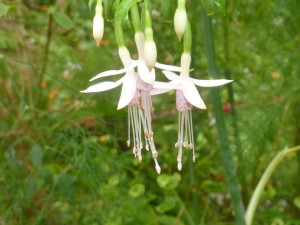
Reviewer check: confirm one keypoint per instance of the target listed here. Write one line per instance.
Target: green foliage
(63, 154)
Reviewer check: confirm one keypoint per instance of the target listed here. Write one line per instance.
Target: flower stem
(263, 180)
(226, 152)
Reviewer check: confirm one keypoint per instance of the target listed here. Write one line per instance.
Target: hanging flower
(187, 96)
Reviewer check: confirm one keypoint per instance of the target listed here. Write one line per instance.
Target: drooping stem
(226, 152)
(263, 181)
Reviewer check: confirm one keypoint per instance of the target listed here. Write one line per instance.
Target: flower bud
(150, 54)
(180, 21)
(98, 28)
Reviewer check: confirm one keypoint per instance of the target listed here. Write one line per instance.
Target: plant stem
(230, 91)
(226, 152)
(263, 180)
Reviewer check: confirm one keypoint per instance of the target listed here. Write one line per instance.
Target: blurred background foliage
(64, 158)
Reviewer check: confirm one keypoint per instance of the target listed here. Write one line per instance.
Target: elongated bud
(98, 29)
(180, 19)
(98, 23)
(150, 52)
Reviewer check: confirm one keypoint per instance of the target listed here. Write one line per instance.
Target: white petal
(191, 94)
(210, 83)
(103, 86)
(159, 91)
(114, 72)
(170, 75)
(166, 85)
(167, 67)
(128, 90)
(145, 75)
(163, 87)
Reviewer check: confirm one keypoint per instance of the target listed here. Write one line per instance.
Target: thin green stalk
(195, 199)
(263, 181)
(226, 152)
(185, 212)
(230, 91)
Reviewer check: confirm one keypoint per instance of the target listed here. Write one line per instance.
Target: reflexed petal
(103, 86)
(191, 94)
(210, 83)
(173, 85)
(170, 75)
(128, 90)
(145, 75)
(168, 67)
(114, 72)
(163, 87)
(159, 91)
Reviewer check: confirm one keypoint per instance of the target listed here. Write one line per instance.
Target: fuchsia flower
(187, 96)
(135, 94)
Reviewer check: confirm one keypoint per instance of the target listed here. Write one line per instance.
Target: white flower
(136, 95)
(187, 96)
(98, 28)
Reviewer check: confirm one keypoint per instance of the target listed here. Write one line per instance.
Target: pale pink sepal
(145, 75)
(191, 94)
(103, 86)
(168, 67)
(128, 90)
(170, 75)
(210, 83)
(114, 72)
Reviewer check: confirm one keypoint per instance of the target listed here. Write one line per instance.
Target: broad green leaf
(3, 9)
(36, 156)
(137, 190)
(220, 5)
(168, 182)
(63, 20)
(168, 204)
(209, 6)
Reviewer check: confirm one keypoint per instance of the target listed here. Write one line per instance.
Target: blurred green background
(63, 154)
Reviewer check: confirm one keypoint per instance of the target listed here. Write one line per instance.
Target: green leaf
(167, 220)
(36, 156)
(220, 5)
(63, 20)
(168, 182)
(209, 6)
(109, 9)
(137, 190)
(91, 4)
(122, 11)
(297, 202)
(168, 204)
(3, 9)
(212, 186)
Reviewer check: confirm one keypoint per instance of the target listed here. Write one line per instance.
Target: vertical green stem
(263, 181)
(230, 91)
(226, 152)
